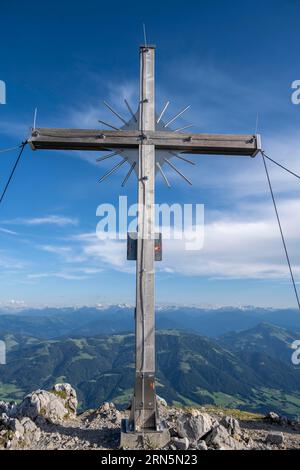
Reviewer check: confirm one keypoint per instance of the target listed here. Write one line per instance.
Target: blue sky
(229, 60)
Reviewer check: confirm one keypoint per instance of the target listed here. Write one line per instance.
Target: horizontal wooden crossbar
(82, 139)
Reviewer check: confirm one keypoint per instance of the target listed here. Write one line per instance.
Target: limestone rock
(193, 426)
(232, 425)
(31, 432)
(9, 409)
(50, 405)
(219, 438)
(181, 443)
(108, 412)
(68, 394)
(271, 416)
(275, 438)
(17, 434)
(37, 424)
(13, 424)
(106, 407)
(202, 445)
(274, 418)
(161, 401)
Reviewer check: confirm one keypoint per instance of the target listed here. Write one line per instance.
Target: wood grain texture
(82, 139)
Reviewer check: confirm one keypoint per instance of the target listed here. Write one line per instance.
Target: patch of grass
(10, 392)
(184, 367)
(79, 342)
(59, 393)
(124, 397)
(241, 415)
(82, 356)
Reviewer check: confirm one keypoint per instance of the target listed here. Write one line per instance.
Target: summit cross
(146, 143)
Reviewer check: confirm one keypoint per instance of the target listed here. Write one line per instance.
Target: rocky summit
(48, 419)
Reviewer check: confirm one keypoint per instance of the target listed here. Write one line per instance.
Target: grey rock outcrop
(181, 443)
(232, 425)
(47, 420)
(219, 438)
(161, 401)
(9, 408)
(275, 438)
(193, 425)
(54, 406)
(68, 394)
(15, 433)
(274, 418)
(108, 412)
(202, 445)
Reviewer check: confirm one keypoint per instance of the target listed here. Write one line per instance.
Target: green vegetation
(59, 393)
(10, 392)
(241, 371)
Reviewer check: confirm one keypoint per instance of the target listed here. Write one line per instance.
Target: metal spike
(182, 158)
(128, 174)
(108, 125)
(177, 115)
(182, 128)
(163, 174)
(34, 119)
(163, 111)
(114, 112)
(145, 37)
(130, 110)
(177, 171)
(110, 172)
(112, 154)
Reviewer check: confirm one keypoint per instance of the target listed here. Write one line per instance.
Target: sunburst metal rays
(130, 110)
(109, 155)
(162, 112)
(177, 116)
(130, 156)
(115, 112)
(163, 174)
(110, 172)
(177, 171)
(183, 128)
(128, 174)
(108, 125)
(174, 154)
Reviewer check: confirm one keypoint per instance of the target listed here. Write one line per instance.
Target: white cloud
(58, 220)
(69, 276)
(10, 263)
(7, 231)
(67, 253)
(238, 244)
(241, 247)
(59, 250)
(110, 253)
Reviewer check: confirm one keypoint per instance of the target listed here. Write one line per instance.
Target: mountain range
(50, 323)
(249, 369)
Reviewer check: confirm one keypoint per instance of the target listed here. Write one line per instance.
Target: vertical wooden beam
(144, 396)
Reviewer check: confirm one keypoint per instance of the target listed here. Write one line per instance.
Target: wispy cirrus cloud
(60, 221)
(9, 262)
(68, 276)
(66, 253)
(7, 231)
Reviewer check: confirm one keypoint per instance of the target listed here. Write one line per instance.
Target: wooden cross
(148, 136)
